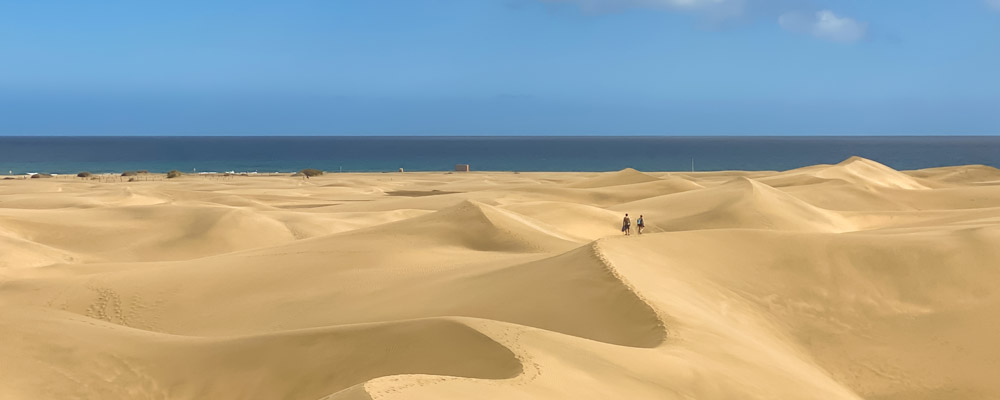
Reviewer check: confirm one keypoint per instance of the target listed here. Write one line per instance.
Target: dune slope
(740, 203)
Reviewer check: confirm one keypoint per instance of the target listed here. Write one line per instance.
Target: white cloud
(826, 25)
(994, 3)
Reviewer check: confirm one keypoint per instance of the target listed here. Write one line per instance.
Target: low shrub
(310, 172)
(174, 174)
(130, 173)
(36, 176)
(84, 174)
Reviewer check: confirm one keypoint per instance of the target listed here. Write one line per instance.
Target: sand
(847, 281)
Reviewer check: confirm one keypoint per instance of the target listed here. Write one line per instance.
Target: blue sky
(500, 67)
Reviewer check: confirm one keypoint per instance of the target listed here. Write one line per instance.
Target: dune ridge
(310, 364)
(626, 176)
(475, 225)
(857, 171)
(739, 203)
(847, 281)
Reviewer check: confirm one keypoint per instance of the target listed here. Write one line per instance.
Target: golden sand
(847, 281)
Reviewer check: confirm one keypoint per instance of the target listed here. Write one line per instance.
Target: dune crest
(965, 174)
(577, 293)
(626, 176)
(741, 203)
(121, 362)
(477, 226)
(869, 173)
(23, 253)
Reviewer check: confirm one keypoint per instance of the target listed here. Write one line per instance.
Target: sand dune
(626, 176)
(150, 233)
(120, 362)
(740, 203)
(847, 281)
(577, 220)
(606, 196)
(22, 253)
(855, 170)
(476, 226)
(969, 174)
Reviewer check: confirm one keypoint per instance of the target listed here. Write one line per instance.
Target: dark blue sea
(63, 155)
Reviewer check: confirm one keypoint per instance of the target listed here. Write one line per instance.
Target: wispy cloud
(825, 24)
(717, 8)
(994, 3)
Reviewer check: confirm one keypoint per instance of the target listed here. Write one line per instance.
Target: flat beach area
(845, 281)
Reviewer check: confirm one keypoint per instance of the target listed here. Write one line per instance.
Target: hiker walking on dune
(626, 225)
(639, 224)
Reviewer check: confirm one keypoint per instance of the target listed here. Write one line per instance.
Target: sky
(500, 67)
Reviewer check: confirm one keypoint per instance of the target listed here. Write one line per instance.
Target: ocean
(69, 155)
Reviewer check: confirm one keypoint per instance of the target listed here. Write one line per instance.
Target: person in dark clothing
(639, 224)
(626, 225)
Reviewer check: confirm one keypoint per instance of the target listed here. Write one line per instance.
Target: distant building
(461, 167)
